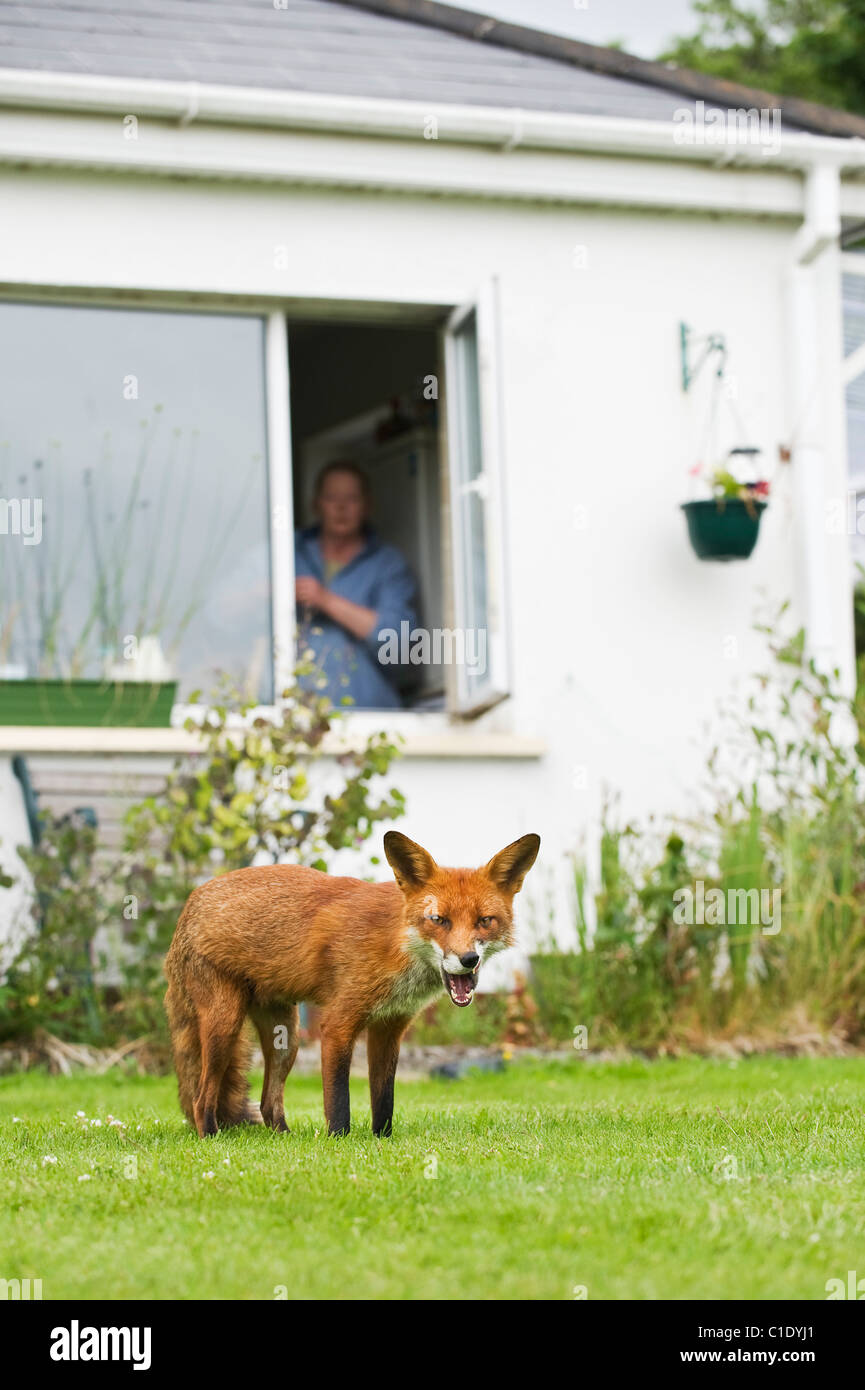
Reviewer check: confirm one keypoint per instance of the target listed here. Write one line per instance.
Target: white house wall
(623, 644)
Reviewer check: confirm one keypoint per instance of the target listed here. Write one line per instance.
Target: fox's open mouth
(461, 988)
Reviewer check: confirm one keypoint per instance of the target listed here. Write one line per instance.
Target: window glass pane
(853, 295)
(470, 487)
(142, 437)
(856, 431)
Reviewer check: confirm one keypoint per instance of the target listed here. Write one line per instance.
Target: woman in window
(353, 593)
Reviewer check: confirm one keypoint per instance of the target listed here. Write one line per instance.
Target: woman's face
(341, 507)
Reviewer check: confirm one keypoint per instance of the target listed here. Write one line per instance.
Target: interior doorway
(368, 393)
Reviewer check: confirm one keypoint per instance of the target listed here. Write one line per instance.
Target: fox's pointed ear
(509, 867)
(412, 866)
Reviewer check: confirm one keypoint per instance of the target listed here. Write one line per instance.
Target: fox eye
(439, 921)
(484, 921)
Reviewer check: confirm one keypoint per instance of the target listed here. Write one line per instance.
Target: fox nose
(469, 960)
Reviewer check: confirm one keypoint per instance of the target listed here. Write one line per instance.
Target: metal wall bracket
(695, 352)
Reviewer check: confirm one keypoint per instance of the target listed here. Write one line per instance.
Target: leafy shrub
(786, 817)
(51, 982)
(258, 792)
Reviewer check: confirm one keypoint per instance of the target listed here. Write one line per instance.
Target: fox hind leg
(185, 1046)
(221, 1098)
(277, 1028)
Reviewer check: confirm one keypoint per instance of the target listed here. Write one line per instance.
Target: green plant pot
(725, 529)
(87, 704)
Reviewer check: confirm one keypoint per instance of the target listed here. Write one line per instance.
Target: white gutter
(505, 128)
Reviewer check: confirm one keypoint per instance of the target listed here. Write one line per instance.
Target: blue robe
(379, 578)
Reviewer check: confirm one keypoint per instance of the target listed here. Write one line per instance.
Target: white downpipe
(808, 466)
(822, 226)
(819, 476)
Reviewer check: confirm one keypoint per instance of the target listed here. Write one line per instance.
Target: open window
(173, 453)
(368, 394)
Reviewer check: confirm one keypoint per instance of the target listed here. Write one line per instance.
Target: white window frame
(469, 701)
(281, 500)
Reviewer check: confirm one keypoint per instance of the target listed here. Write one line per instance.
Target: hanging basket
(724, 528)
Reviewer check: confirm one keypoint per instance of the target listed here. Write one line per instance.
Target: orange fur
(258, 941)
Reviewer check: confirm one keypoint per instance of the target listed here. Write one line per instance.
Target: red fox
(370, 955)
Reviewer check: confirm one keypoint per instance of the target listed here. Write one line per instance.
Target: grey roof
(307, 46)
(416, 49)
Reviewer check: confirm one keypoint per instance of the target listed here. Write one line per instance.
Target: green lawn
(670, 1179)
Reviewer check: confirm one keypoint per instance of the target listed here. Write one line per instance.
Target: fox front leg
(338, 1035)
(382, 1045)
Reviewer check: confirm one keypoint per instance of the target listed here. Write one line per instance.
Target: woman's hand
(356, 619)
(309, 591)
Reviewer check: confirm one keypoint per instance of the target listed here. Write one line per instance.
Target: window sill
(452, 742)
